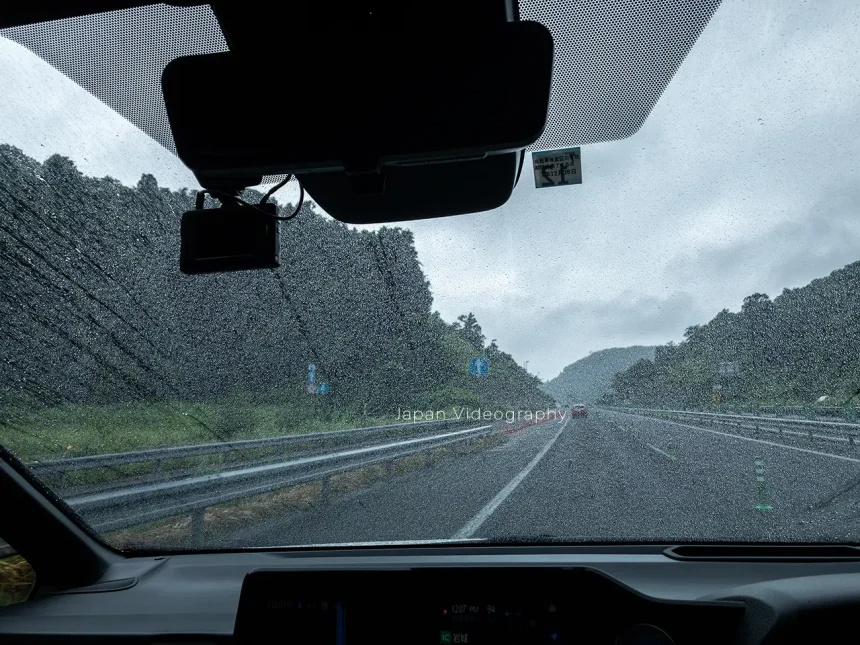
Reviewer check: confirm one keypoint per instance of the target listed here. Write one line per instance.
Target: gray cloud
(628, 319)
(790, 254)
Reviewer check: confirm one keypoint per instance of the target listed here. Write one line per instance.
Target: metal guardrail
(838, 431)
(134, 505)
(849, 412)
(808, 410)
(158, 455)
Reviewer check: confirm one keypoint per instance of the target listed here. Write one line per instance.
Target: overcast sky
(744, 178)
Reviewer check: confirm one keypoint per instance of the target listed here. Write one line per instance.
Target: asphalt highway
(609, 477)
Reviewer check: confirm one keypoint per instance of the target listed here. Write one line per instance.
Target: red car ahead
(579, 410)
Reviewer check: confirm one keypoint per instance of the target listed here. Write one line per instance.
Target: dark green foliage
(96, 312)
(801, 345)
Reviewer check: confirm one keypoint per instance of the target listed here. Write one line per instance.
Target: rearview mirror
(357, 104)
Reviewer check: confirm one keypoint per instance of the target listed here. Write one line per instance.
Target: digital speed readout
(491, 623)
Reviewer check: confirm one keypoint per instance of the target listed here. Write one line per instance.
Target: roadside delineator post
(762, 491)
(198, 526)
(325, 489)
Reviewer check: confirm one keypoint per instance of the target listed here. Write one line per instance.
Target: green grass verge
(80, 430)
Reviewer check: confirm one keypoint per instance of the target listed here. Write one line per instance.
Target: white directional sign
(557, 167)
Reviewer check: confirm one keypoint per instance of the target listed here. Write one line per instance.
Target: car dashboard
(449, 595)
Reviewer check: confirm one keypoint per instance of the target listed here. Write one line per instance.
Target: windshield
(664, 352)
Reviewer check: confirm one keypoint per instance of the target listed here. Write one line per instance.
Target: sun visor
(371, 121)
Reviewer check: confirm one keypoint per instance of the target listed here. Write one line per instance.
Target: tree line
(95, 310)
(795, 348)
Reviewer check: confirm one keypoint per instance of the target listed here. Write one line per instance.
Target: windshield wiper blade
(544, 538)
(764, 552)
(374, 543)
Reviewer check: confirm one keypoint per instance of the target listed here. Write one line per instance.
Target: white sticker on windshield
(557, 167)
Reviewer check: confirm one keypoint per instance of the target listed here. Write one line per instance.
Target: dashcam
(231, 238)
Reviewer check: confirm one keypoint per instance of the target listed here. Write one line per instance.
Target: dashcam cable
(280, 185)
(233, 198)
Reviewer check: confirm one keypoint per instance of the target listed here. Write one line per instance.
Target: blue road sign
(479, 366)
(323, 388)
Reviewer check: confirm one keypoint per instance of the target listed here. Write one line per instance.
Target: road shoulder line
(484, 514)
(656, 449)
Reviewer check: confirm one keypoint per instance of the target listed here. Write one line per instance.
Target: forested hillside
(803, 344)
(95, 311)
(589, 378)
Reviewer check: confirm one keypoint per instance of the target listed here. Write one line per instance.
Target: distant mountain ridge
(589, 378)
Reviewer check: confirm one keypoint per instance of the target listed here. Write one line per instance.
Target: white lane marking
(484, 514)
(665, 454)
(767, 443)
